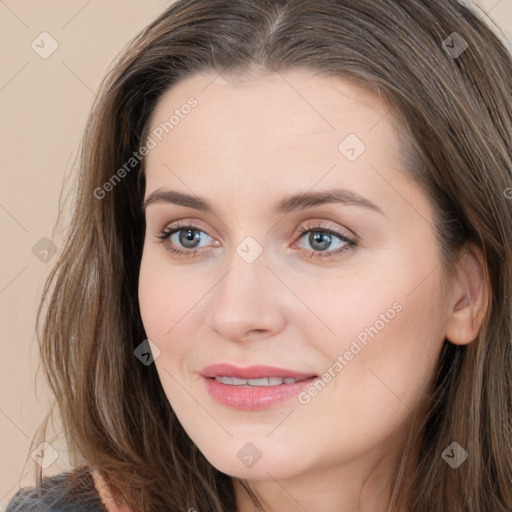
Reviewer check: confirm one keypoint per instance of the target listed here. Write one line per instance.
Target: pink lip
(252, 398)
(251, 372)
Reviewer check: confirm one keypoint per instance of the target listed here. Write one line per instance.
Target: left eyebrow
(310, 199)
(289, 204)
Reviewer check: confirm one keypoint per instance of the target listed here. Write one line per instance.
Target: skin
(245, 146)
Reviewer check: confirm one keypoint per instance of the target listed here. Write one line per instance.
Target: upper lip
(251, 372)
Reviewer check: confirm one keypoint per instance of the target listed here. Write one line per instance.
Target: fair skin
(243, 148)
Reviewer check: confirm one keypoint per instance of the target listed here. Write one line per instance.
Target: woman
(287, 283)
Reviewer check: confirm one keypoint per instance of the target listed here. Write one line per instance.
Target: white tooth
(224, 380)
(265, 381)
(258, 382)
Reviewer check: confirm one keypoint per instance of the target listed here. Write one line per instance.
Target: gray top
(72, 491)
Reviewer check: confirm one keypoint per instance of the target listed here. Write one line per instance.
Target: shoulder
(72, 491)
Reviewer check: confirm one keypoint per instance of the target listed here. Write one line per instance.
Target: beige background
(43, 109)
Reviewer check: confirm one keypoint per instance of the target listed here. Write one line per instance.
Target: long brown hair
(457, 112)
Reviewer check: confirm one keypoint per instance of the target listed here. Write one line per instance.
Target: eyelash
(170, 230)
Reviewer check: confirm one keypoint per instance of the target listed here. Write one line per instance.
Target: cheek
(152, 300)
(163, 297)
(389, 343)
(378, 366)
(172, 305)
(390, 298)
(385, 334)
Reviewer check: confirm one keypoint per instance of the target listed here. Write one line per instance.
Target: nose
(249, 302)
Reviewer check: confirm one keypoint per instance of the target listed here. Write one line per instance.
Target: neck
(105, 495)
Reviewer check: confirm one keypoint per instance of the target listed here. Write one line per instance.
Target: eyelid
(190, 223)
(324, 226)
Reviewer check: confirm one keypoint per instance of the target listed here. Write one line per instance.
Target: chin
(260, 471)
(254, 461)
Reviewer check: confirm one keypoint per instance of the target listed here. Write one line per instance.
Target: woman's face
(309, 282)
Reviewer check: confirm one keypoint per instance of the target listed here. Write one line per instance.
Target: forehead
(299, 94)
(279, 126)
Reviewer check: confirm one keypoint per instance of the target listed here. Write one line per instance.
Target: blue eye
(188, 240)
(320, 238)
(188, 237)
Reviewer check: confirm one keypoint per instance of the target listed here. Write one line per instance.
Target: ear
(470, 299)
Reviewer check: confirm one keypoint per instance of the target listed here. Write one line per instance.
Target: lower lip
(254, 398)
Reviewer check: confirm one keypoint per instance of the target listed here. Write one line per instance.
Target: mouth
(254, 387)
(264, 381)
